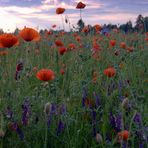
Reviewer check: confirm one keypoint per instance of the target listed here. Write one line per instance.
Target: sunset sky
(41, 13)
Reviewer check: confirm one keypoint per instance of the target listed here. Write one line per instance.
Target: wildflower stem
(80, 14)
(45, 141)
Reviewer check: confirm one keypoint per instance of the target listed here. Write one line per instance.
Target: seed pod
(2, 133)
(99, 138)
(47, 108)
(125, 103)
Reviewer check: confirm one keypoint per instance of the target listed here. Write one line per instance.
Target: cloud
(43, 14)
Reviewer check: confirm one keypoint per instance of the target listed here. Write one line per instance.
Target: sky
(40, 14)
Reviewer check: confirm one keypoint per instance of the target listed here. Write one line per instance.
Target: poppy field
(73, 89)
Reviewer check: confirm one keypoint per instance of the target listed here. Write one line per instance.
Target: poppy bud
(2, 133)
(99, 138)
(123, 135)
(125, 103)
(62, 71)
(47, 108)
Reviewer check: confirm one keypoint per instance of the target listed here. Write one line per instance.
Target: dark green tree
(80, 24)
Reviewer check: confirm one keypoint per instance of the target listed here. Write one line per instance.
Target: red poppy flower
(112, 43)
(8, 40)
(129, 49)
(85, 29)
(62, 71)
(96, 47)
(71, 46)
(146, 39)
(54, 26)
(50, 32)
(45, 75)
(58, 43)
(97, 27)
(60, 10)
(29, 34)
(123, 45)
(78, 38)
(124, 135)
(80, 5)
(110, 72)
(62, 50)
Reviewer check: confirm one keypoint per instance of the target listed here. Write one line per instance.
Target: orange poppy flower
(62, 50)
(123, 45)
(60, 10)
(96, 47)
(97, 27)
(124, 135)
(146, 39)
(58, 43)
(110, 72)
(85, 29)
(112, 43)
(62, 71)
(129, 49)
(3, 53)
(71, 46)
(29, 34)
(94, 79)
(78, 38)
(49, 32)
(8, 40)
(80, 5)
(45, 75)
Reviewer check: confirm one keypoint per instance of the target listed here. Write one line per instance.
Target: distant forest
(140, 25)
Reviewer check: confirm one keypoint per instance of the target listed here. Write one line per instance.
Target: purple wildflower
(116, 122)
(137, 118)
(98, 103)
(26, 112)
(94, 122)
(120, 87)
(16, 128)
(124, 144)
(62, 109)
(84, 97)
(112, 120)
(60, 127)
(53, 108)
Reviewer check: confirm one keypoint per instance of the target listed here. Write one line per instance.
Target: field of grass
(86, 108)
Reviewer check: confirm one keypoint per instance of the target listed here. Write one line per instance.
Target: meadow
(81, 101)
(73, 89)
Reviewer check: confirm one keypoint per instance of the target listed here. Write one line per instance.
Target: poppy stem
(46, 128)
(80, 14)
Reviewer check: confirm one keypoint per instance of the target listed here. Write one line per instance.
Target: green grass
(68, 89)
